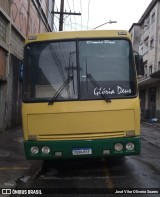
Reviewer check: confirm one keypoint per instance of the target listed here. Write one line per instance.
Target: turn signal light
(118, 147)
(34, 150)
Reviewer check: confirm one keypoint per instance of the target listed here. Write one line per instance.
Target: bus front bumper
(82, 148)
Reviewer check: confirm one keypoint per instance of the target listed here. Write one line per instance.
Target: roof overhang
(155, 74)
(147, 81)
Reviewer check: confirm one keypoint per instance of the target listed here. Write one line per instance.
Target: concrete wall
(18, 19)
(149, 31)
(27, 18)
(135, 32)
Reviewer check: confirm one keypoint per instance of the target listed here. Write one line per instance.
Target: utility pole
(61, 16)
(62, 13)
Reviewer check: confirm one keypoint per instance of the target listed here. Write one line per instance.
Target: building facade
(18, 19)
(146, 41)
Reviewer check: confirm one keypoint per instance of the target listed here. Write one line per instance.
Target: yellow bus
(80, 95)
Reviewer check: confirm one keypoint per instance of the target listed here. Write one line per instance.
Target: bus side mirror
(139, 64)
(21, 71)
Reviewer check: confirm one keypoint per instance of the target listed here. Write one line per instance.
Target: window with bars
(153, 18)
(150, 69)
(2, 64)
(17, 44)
(146, 45)
(3, 28)
(159, 65)
(145, 69)
(152, 44)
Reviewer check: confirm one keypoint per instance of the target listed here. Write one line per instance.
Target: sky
(98, 12)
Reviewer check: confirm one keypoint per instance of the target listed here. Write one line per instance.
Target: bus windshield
(47, 65)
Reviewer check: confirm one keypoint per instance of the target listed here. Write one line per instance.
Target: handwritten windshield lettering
(98, 91)
(119, 90)
(101, 42)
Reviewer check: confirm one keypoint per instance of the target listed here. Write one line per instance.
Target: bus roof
(63, 35)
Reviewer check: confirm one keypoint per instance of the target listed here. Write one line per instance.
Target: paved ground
(13, 164)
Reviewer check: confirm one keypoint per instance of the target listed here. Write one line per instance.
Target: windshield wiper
(95, 84)
(69, 79)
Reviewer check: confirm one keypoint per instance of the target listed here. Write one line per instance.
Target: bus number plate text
(82, 151)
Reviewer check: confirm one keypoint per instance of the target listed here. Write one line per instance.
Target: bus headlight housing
(130, 146)
(118, 147)
(46, 150)
(34, 150)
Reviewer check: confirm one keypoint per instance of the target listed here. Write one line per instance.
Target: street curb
(156, 125)
(34, 170)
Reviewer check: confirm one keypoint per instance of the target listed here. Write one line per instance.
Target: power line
(70, 15)
(81, 13)
(56, 5)
(62, 13)
(78, 24)
(69, 6)
(74, 15)
(88, 12)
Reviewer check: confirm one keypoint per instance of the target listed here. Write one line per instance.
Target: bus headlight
(130, 146)
(118, 147)
(46, 150)
(34, 150)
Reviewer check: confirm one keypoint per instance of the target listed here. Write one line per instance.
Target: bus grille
(85, 136)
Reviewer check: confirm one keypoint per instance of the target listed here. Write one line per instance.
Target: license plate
(82, 151)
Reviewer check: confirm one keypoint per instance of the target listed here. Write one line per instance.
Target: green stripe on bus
(67, 146)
